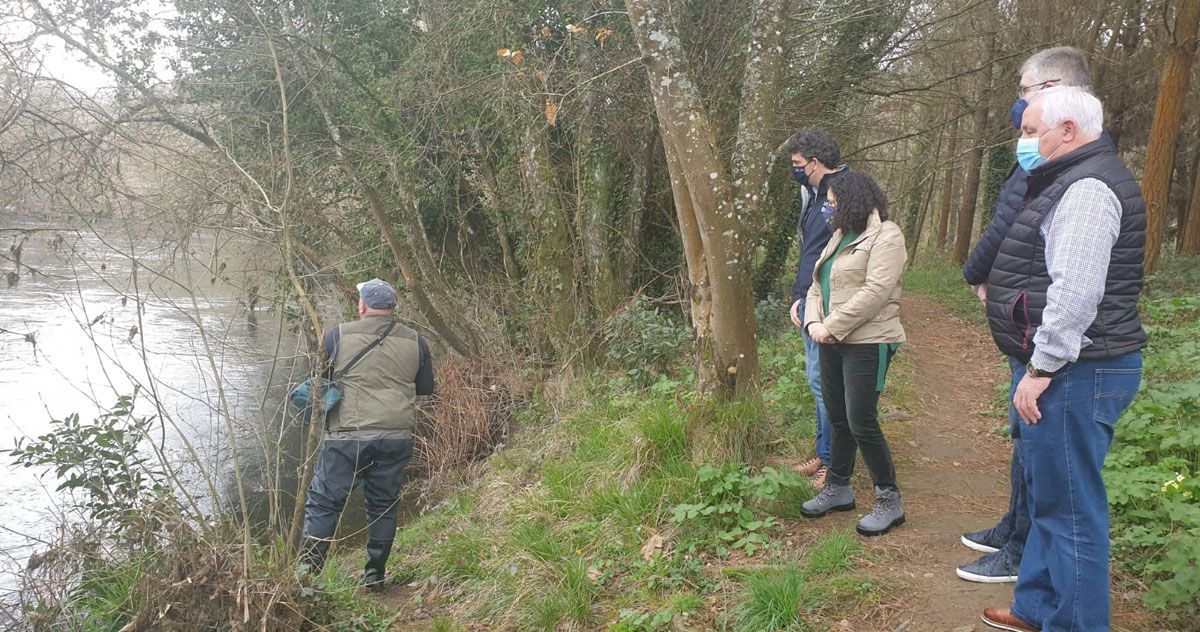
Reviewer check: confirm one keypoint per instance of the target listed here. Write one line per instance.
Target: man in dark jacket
(1062, 305)
(368, 436)
(1004, 544)
(814, 156)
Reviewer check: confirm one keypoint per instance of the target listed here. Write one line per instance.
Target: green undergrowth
(1153, 469)
(936, 277)
(603, 518)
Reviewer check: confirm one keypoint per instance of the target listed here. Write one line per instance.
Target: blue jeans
(1064, 576)
(812, 364)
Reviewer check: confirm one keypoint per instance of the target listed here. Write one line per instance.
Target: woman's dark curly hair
(857, 195)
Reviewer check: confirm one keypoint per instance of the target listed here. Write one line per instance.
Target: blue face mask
(1018, 111)
(828, 212)
(800, 176)
(1028, 155)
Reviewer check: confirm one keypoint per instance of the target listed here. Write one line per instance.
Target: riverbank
(584, 522)
(596, 515)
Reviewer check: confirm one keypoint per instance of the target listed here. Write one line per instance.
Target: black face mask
(801, 175)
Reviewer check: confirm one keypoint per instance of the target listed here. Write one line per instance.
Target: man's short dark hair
(857, 195)
(816, 143)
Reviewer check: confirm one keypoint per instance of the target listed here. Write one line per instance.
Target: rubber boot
(377, 557)
(312, 556)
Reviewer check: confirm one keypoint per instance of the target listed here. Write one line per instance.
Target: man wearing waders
(368, 436)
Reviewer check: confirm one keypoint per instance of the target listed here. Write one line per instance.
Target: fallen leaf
(571, 28)
(545, 31)
(551, 112)
(517, 56)
(503, 52)
(602, 35)
(652, 546)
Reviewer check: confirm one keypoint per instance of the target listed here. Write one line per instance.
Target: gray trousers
(377, 464)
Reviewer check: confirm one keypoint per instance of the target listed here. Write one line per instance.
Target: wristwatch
(1034, 372)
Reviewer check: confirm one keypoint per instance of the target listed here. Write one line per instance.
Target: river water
(95, 310)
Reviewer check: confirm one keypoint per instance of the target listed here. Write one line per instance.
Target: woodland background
(560, 186)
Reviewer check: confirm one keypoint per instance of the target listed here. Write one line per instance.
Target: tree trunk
(551, 255)
(632, 210)
(982, 137)
(1164, 133)
(596, 174)
(918, 178)
(924, 210)
(1190, 245)
(716, 217)
(947, 202)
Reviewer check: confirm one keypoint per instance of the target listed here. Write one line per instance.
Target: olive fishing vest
(379, 391)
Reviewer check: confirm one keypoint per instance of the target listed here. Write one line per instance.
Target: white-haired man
(1062, 300)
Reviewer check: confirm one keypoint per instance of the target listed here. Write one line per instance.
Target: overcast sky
(70, 66)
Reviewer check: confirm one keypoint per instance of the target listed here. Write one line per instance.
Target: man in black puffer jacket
(1004, 544)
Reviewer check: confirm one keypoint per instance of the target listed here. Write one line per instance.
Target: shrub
(729, 495)
(644, 341)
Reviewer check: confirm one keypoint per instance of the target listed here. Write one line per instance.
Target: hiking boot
(831, 498)
(818, 479)
(993, 568)
(1004, 619)
(985, 540)
(808, 468)
(887, 513)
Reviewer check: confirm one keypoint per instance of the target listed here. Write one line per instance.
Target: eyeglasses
(1025, 90)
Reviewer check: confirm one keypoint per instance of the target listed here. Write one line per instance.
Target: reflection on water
(81, 324)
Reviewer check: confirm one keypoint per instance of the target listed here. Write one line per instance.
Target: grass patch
(834, 554)
(775, 600)
(568, 600)
(574, 525)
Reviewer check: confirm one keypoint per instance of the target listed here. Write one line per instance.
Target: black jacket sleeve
(1008, 204)
(425, 384)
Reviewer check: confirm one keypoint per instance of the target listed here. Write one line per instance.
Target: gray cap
(377, 294)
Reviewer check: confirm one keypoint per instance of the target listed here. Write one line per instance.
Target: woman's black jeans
(849, 377)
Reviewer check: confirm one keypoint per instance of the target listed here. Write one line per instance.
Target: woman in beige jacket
(853, 310)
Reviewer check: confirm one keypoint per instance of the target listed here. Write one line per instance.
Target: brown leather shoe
(1004, 619)
(818, 479)
(807, 468)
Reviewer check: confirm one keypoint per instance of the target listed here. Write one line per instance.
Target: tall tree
(1164, 133)
(1190, 228)
(716, 211)
(981, 132)
(947, 201)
